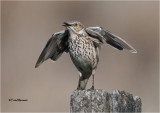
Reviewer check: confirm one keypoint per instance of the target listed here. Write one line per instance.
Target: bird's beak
(65, 24)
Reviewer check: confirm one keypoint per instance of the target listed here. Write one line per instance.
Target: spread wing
(54, 48)
(100, 35)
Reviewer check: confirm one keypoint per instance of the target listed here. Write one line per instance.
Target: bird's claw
(92, 88)
(78, 88)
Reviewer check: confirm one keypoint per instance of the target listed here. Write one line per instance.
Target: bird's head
(74, 27)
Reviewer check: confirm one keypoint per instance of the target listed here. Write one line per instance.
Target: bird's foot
(92, 88)
(78, 88)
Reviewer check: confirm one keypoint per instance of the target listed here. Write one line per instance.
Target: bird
(83, 45)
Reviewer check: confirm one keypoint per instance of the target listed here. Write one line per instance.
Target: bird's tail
(82, 82)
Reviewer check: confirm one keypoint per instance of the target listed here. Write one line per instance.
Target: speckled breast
(82, 52)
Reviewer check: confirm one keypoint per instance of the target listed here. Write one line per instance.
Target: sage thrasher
(83, 45)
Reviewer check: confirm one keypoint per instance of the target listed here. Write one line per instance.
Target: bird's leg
(92, 82)
(78, 87)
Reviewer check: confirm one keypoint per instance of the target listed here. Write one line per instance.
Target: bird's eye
(76, 25)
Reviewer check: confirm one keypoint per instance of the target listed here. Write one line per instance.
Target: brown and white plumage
(83, 46)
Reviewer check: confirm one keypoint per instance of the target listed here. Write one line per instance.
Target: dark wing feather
(54, 48)
(110, 38)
